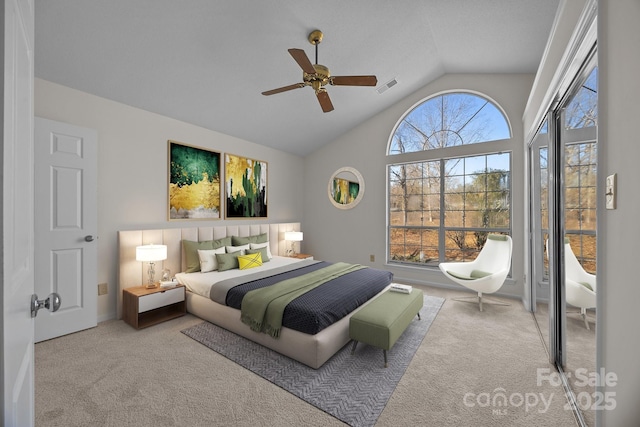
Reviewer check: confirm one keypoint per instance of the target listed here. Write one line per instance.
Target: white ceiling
(206, 62)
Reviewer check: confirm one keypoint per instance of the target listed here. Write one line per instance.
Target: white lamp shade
(293, 236)
(151, 253)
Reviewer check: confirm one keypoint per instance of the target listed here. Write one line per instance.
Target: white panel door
(66, 223)
(17, 214)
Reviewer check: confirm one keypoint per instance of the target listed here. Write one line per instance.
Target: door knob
(88, 238)
(52, 303)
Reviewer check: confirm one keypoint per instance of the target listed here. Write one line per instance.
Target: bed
(312, 349)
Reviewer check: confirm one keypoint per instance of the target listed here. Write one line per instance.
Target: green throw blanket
(262, 309)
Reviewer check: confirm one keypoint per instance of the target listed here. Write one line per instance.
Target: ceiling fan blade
(354, 80)
(303, 60)
(325, 101)
(283, 89)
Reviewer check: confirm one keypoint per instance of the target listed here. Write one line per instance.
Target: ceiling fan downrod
(315, 37)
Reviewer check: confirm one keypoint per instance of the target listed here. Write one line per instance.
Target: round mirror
(346, 188)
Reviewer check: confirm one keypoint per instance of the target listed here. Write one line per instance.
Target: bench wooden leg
(353, 349)
(384, 352)
(419, 318)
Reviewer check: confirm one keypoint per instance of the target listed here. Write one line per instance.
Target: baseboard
(105, 317)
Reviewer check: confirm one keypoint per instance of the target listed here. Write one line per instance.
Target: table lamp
(151, 254)
(293, 237)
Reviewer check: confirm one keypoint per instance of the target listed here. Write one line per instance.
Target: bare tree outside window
(442, 208)
(581, 172)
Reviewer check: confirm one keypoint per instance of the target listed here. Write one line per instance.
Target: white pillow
(260, 246)
(241, 249)
(208, 261)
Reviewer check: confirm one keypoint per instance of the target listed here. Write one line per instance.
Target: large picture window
(442, 207)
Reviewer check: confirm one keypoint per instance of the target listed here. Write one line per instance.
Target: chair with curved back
(487, 273)
(580, 286)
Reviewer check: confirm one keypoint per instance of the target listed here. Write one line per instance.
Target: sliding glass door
(563, 198)
(578, 142)
(538, 156)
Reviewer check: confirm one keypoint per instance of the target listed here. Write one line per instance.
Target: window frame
(481, 148)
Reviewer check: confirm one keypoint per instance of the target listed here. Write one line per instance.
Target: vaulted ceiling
(206, 62)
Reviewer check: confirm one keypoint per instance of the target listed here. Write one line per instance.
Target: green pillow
(228, 261)
(261, 238)
(475, 274)
(262, 251)
(239, 241)
(190, 249)
(258, 238)
(225, 241)
(586, 285)
(500, 237)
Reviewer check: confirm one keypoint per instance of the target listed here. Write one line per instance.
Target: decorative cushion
(262, 251)
(475, 274)
(227, 261)
(190, 250)
(241, 249)
(500, 237)
(258, 238)
(586, 285)
(261, 246)
(249, 261)
(208, 261)
(219, 243)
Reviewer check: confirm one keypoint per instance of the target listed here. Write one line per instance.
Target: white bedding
(201, 283)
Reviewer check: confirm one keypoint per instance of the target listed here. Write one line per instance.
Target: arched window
(448, 120)
(441, 204)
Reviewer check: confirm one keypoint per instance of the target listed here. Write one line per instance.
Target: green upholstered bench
(381, 322)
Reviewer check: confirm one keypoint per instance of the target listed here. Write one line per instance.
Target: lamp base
(151, 283)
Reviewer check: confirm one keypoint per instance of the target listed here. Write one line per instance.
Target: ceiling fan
(318, 76)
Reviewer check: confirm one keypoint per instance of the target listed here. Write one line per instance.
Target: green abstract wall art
(194, 182)
(246, 187)
(345, 191)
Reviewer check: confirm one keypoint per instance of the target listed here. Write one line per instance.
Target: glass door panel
(578, 140)
(539, 226)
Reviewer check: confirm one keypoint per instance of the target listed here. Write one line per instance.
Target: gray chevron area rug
(352, 388)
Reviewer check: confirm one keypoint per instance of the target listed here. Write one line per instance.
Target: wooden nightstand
(301, 256)
(142, 307)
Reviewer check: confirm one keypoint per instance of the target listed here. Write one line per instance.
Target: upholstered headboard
(133, 273)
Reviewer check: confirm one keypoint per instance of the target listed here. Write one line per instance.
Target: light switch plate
(610, 192)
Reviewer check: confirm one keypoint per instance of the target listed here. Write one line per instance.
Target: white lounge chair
(487, 273)
(580, 286)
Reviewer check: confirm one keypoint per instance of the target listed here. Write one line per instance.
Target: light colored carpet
(581, 355)
(113, 375)
(354, 388)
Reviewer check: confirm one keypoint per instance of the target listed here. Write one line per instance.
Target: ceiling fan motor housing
(319, 79)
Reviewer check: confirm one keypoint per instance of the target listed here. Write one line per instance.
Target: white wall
(352, 235)
(567, 16)
(132, 170)
(619, 230)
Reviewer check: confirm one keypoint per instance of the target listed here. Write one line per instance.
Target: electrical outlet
(103, 288)
(372, 258)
